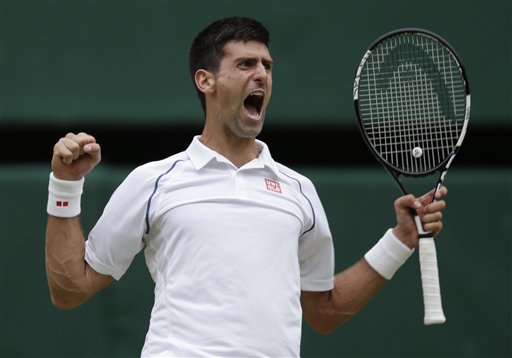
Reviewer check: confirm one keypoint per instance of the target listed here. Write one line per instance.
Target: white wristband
(388, 255)
(64, 197)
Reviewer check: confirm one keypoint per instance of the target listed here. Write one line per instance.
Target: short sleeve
(316, 251)
(118, 235)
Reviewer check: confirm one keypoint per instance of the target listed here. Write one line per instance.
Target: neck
(239, 151)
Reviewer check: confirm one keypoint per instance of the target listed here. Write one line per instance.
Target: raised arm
(355, 286)
(70, 279)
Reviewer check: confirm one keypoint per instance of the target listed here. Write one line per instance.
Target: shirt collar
(201, 155)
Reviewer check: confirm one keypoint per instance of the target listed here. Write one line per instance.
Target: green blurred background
(118, 69)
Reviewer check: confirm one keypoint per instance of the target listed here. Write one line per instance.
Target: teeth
(259, 94)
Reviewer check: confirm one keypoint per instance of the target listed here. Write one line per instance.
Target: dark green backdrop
(474, 254)
(77, 60)
(96, 64)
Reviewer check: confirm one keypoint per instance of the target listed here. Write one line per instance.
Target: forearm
(65, 264)
(70, 279)
(353, 289)
(355, 286)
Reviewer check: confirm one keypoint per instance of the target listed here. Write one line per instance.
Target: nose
(262, 73)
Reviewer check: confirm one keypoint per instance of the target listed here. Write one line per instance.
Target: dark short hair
(208, 47)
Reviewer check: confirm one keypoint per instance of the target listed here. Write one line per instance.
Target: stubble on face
(243, 86)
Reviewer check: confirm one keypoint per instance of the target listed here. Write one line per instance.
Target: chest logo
(273, 185)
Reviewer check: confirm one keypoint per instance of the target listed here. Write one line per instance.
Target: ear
(205, 81)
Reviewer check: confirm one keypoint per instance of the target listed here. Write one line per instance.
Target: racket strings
(412, 102)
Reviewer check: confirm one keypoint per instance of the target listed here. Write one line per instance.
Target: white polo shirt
(229, 250)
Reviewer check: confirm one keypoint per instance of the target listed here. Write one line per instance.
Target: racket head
(412, 101)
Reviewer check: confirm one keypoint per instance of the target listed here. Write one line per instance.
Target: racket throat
(422, 234)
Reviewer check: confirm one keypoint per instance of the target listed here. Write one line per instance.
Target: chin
(251, 127)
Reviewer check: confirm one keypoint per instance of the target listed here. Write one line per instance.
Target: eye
(245, 65)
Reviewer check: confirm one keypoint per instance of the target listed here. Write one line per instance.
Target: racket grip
(430, 282)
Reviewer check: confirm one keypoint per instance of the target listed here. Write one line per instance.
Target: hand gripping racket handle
(429, 277)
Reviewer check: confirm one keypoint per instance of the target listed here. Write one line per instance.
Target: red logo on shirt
(273, 185)
(62, 203)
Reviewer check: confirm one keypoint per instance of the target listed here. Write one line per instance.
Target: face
(241, 90)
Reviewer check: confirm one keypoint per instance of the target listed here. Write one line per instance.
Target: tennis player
(238, 245)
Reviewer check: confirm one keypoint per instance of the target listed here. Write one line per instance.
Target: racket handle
(429, 277)
(430, 282)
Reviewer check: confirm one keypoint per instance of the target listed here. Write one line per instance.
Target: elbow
(323, 330)
(326, 325)
(321, 314)
(65, 300)
(63, 304)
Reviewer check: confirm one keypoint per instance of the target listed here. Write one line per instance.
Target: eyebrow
(264, 60)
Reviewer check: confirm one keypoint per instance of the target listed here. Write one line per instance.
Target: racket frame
(428, 257)
(445, 164)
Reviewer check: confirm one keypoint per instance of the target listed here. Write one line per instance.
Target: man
(238, 245)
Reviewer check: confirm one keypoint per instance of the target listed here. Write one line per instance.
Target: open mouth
(253, 104)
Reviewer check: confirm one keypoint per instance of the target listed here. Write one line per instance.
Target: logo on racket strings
(417, 152)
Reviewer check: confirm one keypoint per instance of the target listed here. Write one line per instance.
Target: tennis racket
(412, 101)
